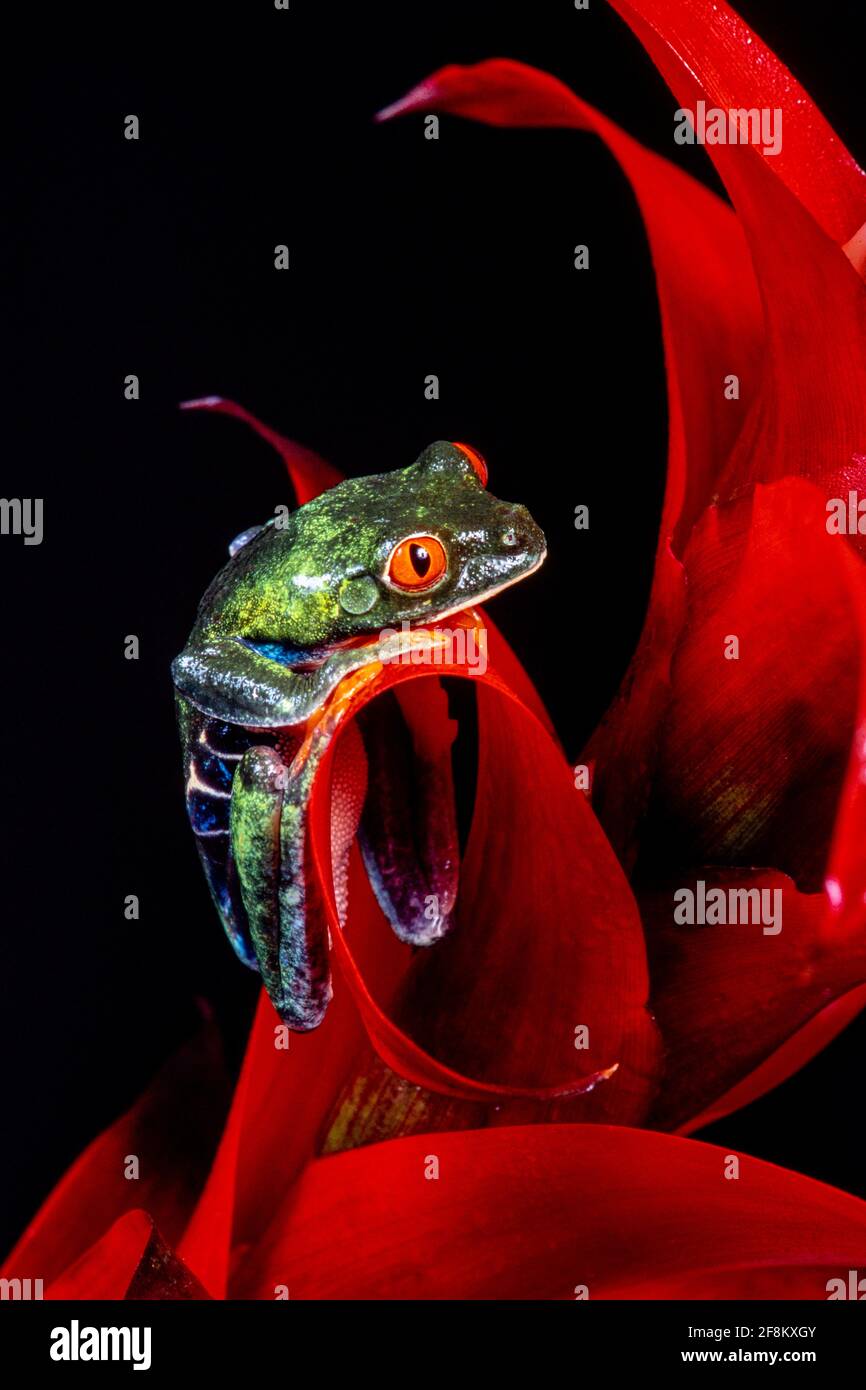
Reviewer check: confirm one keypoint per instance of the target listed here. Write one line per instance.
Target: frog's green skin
(297, 608)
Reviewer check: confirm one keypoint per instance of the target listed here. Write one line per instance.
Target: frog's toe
(408, 831)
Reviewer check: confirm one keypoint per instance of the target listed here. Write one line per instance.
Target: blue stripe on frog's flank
(284, 655)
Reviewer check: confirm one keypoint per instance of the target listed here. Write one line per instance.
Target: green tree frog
(299, 608)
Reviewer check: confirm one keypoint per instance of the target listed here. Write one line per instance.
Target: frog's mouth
(484, 597)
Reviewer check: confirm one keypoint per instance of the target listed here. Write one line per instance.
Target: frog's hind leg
(408, 832)
(268, 833)
(213, 751)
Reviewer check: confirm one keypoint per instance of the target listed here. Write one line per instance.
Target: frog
(308, 602)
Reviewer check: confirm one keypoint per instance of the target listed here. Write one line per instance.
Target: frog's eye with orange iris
(417, 563)
(479, 467)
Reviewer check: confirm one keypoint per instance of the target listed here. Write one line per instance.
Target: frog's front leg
(267, 844)
(230, 679)
(268, 826)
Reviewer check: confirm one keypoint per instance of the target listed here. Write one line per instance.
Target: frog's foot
(267, 841)
(408, 831)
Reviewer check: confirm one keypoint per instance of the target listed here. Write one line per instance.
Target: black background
(408, 257)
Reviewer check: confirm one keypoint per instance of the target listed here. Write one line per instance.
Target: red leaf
(534, 1212)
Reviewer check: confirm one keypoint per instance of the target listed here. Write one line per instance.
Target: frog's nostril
(520, 531)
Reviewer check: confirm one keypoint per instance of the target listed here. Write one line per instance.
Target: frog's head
(416, 545)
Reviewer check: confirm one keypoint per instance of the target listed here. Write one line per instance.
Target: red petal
(545, 942)
(172, 1129)
(754, 752)
(797, 207)
(846, 878)
(784, 1062)
(131, 1261)
(108, 1267)
(527, 962)
(281, 1101)
(753, 991)
(534, 1212)
(761, 761)
(810, 415)
(703, 48)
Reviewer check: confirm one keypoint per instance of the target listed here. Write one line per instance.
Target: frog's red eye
(417, 562)
(479, 467)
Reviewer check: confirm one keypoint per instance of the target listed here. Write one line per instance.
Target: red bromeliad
(466, 1055)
